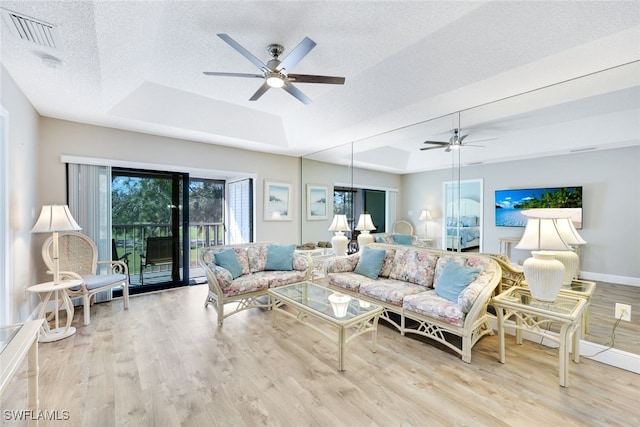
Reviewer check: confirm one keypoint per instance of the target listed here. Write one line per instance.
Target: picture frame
(277, 201)
(317, 203)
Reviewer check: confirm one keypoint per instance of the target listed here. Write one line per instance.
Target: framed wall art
(317, 203)
(277, 201)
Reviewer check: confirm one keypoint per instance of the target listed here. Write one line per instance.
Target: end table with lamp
(62, 301)
(536, 316)
(53, 219)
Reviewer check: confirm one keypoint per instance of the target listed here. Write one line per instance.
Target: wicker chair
(78, 256)
(511, 275)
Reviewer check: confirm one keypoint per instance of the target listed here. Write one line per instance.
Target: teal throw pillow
(280, 257)
(228, 260)
(379, 239)
(370, 262)
(402, 239)
(453, 279)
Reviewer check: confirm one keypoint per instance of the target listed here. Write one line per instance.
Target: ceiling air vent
(30, 29)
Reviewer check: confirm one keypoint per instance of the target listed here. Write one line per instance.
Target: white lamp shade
(55, 218)
(541, 234)
(568, 232)
(365, 223)
(425, 214)
(339, 223)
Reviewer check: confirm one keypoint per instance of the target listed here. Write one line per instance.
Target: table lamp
(543, 272)
(365, 225)
(339, 241)
(564, 224)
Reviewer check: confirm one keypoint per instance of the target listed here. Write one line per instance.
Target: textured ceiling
(138, 66)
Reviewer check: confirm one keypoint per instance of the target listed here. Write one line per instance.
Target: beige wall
(329, 175)
(60, 137)
(22, 173)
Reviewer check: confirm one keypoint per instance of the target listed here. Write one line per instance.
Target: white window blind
(89, 189)
(240, 202)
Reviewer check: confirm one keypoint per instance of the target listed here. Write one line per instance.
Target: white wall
(611, 203)
(22, 174)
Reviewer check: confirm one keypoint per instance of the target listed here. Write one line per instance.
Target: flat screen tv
(510, 204)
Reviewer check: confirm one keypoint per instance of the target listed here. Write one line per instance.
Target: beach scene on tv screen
(510, 204)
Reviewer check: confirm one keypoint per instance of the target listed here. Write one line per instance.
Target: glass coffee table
(345, 312)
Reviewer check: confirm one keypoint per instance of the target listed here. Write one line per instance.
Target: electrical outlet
(623, 311)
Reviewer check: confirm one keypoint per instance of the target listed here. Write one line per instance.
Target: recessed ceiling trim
(30, 29)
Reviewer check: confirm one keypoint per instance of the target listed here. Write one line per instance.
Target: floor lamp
(425, 215)
(53, 219)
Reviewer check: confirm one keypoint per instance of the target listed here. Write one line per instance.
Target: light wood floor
(601, 309)
(165, 363)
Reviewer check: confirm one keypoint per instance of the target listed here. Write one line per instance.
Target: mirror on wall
(462, 204)
(592, 116)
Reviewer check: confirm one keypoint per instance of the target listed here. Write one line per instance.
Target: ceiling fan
(454, 143)
(277, 73)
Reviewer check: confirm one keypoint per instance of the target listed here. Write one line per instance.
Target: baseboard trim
(589, 350)
(610, 278)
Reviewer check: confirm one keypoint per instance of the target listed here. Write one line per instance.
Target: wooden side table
(536, 317)
(62, 300)
(19, 341)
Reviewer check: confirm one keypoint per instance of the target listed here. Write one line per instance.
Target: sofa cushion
(370, 262)
(402, 239)
(347, 280)
(387, 264)
(246, 284)
(454, 279)
(468, 296)
(388, 290)
(414, 266)
(430, 304)
(228, 260)
(280, 257)
(257, 255)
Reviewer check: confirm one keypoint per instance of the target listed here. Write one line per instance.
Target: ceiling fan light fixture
(275, 80)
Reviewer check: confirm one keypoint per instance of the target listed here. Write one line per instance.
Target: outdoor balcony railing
(130, 241)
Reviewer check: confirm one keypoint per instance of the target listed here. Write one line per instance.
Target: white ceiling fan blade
(296, 55)
(261, 90)
(244, 52)
(215, 73)
(297, 93)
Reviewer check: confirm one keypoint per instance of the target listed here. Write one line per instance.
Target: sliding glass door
(150, 212)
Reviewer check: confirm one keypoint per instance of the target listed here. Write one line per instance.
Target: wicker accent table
(62, 301)
(537, 316)
(306, 299)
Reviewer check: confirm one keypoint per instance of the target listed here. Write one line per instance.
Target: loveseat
(243, 273)
(420, 292)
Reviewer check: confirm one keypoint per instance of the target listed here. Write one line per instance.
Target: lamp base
(544, 275)
(571, 263)
(364, 238)
(339, 243)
